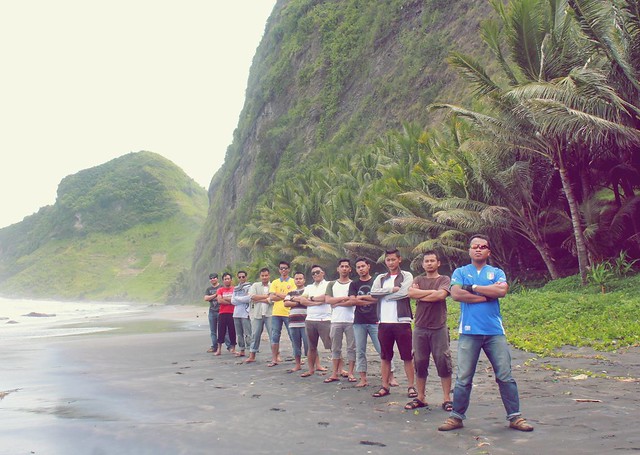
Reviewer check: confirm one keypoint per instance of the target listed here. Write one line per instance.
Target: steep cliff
(328, 77)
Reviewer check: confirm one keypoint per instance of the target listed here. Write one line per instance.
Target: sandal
(330, 379)
(412, 392)
(306, 374)
(415, 404)
(452, 423)
(383, 392)
(353, 379)
(272, 364)
(447, 406)
(520, 424)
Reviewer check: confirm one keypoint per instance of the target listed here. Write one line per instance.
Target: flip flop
(272, 364)
(415, 404)
(383, 392)
(306, 374)
(328, 380)
(447, 406)
(362, 385)
(352, 379)
(412, 392)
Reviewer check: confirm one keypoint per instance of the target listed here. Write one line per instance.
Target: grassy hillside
(123, 230)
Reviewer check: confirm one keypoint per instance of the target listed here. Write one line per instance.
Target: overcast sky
(86, 81)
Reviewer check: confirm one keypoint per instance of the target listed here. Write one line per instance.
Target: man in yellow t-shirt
(277, 292)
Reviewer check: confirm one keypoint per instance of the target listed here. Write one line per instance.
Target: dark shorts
(394, 333)
(426, 343)
(318, 330)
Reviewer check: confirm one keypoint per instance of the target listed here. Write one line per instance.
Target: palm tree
(556, 104)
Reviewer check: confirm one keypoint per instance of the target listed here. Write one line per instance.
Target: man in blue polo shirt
(477, 287)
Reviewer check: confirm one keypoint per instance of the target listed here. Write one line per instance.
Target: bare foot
(217, 352)
(321, 368)
(362, 384)
(294, 369)
(393, 383)
(250, 360)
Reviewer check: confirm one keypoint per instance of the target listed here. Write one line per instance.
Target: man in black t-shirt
(365, 319)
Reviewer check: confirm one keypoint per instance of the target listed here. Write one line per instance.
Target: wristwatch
(474, 286)
(311, 298)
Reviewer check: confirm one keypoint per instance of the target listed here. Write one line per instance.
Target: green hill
(123, 230)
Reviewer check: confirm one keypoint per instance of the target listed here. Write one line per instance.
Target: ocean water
(60, 320)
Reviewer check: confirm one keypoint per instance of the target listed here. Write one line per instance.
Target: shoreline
(158, 391)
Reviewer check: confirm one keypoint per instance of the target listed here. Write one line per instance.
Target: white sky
(85, 81)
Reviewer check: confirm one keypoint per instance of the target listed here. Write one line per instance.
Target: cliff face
(328, 77)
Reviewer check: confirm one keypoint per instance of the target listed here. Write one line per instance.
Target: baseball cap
(213, 275)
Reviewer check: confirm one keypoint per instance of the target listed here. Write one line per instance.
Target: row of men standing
(376, 308)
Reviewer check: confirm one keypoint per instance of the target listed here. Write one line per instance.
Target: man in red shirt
(225, 321)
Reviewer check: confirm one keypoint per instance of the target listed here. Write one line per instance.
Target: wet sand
(152, 389)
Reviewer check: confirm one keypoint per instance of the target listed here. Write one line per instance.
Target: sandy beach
(150, 388)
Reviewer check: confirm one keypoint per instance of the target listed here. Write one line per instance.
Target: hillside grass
(565, 313)
(137, 265)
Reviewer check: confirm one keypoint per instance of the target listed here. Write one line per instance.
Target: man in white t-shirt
(318, 321)
(342, 315)
(394, 309)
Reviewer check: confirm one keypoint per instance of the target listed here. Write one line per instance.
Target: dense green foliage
(566, 313)
(547, 161)
(119, 231)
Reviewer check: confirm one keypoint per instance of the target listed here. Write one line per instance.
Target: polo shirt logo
(491, 275)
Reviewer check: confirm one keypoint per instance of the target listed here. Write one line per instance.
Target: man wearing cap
(214, 312)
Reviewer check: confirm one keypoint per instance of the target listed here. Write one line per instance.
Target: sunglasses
(284, 268)
(316, 272)
(242, 276)
(479, 247)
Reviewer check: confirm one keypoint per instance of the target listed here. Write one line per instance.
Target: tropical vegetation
(545, 159)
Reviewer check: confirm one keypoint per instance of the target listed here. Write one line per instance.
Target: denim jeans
(213, 328)
(299, 338)
(243, 332)
(361, 331)
(276, 328)
(257, 326)
(497, 351)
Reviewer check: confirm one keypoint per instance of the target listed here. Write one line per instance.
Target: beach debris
(586, 400)
(33, 314)
(11, 322)
(372, 443)
(277, 409)
(580, 377)
(323, 424)
(256, 395)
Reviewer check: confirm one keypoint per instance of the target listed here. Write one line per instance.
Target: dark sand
(152, 389)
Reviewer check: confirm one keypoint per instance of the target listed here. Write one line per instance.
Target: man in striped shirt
(297, 316)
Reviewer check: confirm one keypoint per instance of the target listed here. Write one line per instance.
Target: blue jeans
(361, 331)
(213, 328)
(276, 328)
(243, 332)
(497, 351)
(257, 326)
(299, 338)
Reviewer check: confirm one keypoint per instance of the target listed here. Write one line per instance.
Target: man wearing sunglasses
(280, 316)
(478, 286)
